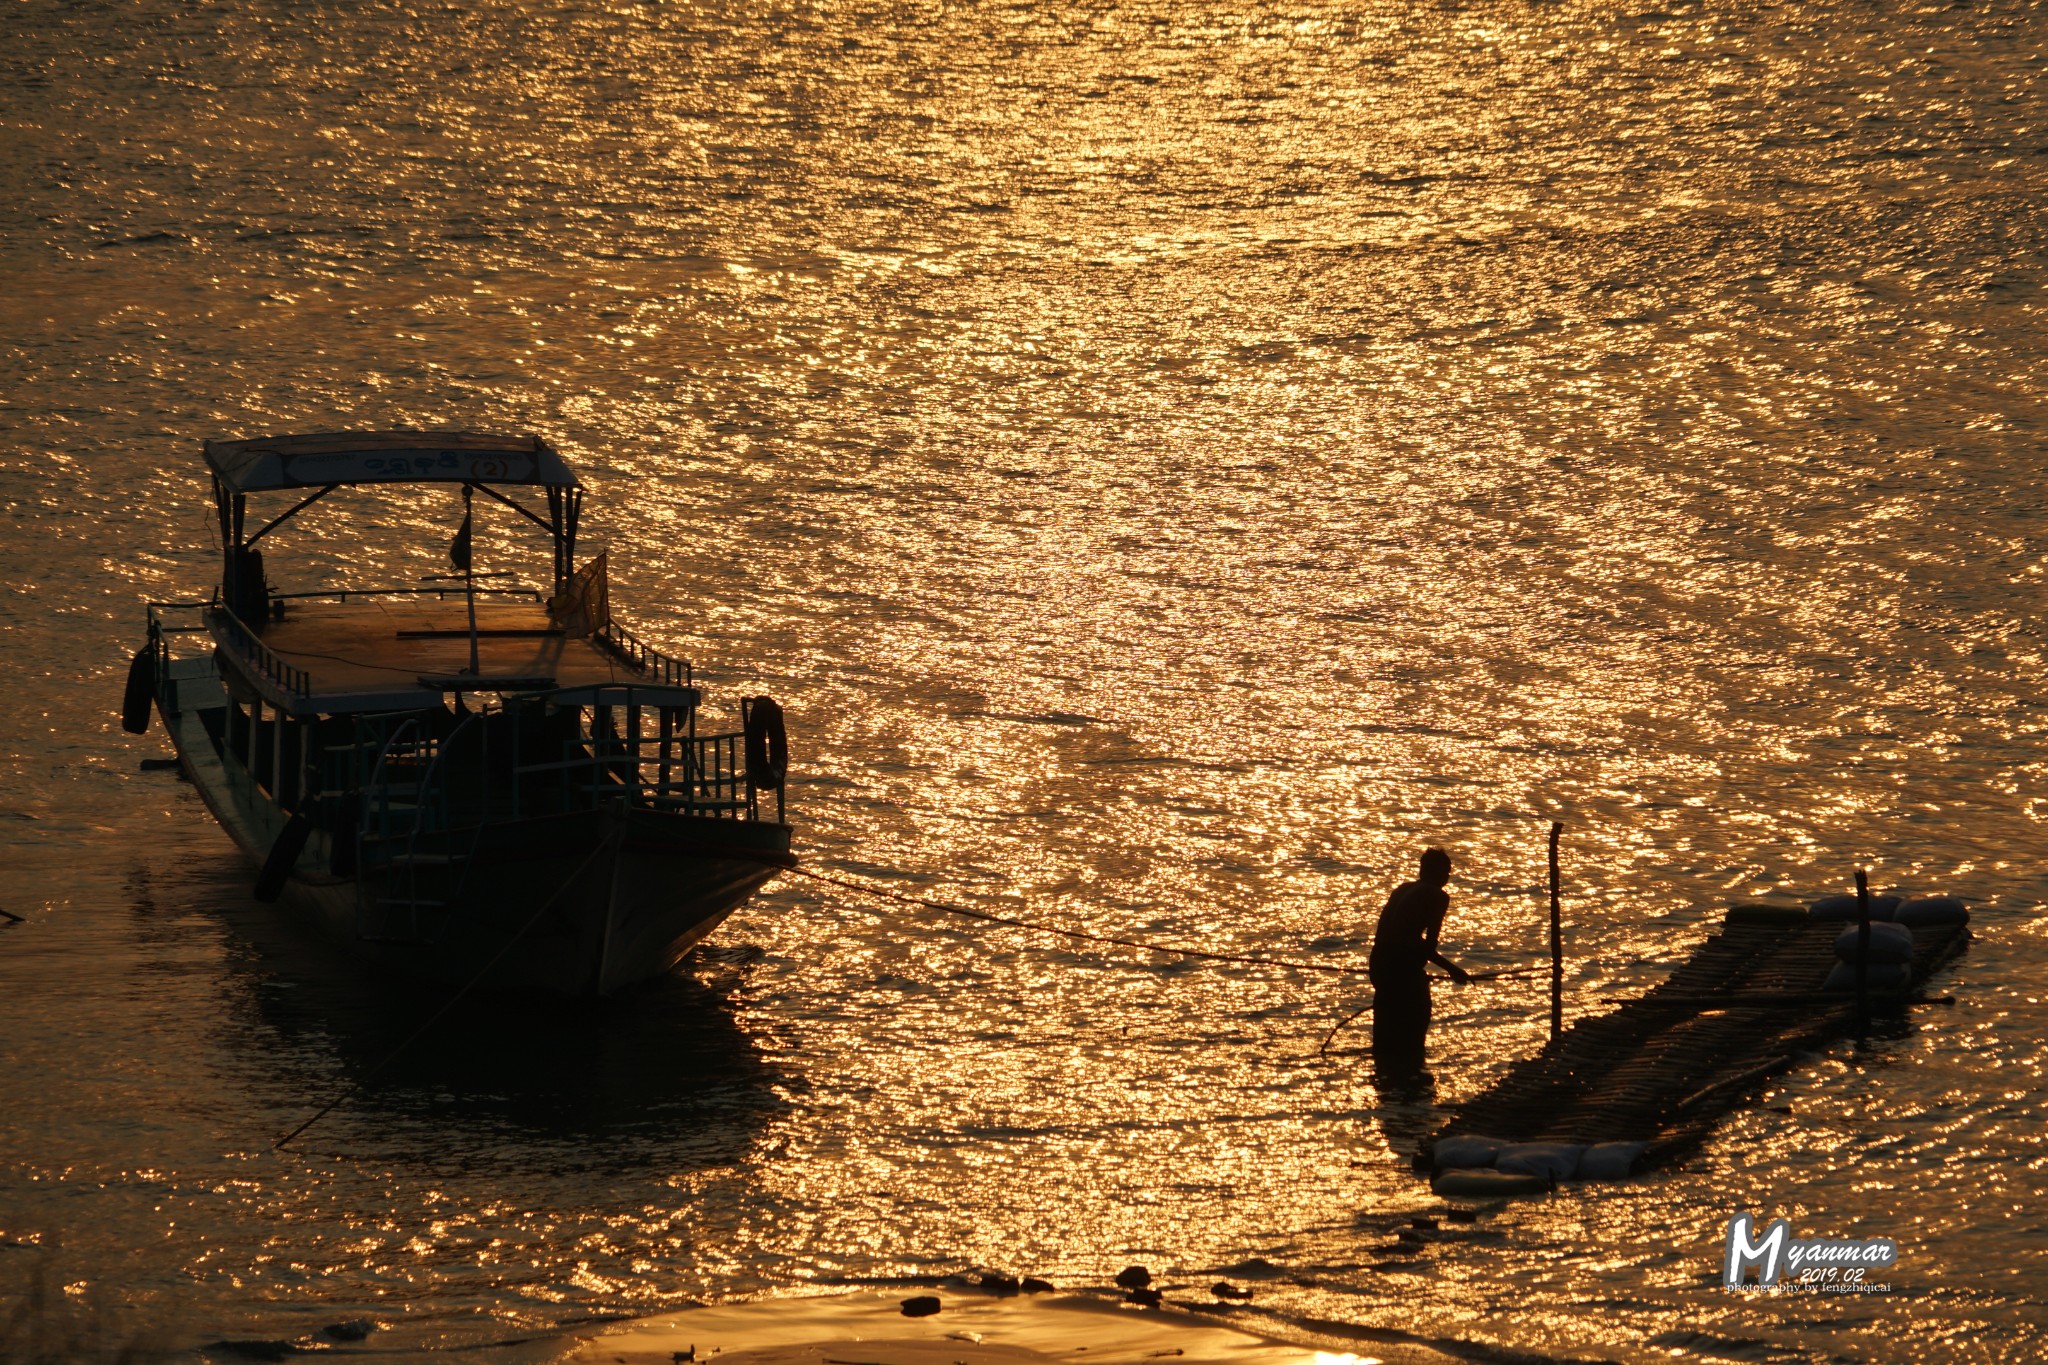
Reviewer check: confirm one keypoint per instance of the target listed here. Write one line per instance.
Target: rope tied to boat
(1202, 954)
(611, 844)
(882, 893)
(991, 917)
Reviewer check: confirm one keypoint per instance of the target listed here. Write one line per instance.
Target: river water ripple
(1172, 462)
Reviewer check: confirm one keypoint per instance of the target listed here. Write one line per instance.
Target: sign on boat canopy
(344, 457)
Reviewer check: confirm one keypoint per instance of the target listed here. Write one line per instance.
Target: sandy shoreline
(973, 1327)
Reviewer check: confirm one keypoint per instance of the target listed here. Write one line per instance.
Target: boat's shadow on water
(661, 1075)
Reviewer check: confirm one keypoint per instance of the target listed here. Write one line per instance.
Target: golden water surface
(1172, 461)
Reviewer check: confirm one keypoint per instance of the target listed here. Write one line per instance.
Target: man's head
(1436, 867)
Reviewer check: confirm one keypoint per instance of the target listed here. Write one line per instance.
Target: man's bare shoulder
(1414, 899)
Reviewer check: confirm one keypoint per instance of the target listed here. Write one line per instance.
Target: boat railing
(697, 774)
(643, 754)
(687, 774)
(160, 630)
(157, 619)
(259, 656)
(442, 591)
(421, 779)
(643, 656)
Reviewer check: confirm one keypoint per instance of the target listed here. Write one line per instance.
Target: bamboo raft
(1666, 1067)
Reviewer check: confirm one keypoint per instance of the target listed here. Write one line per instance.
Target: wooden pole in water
(469, 572)
(1862, 953)
(1556, 941)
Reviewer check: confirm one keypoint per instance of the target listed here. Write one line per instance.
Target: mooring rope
(1204, 955)
(1082, 934)
(612, 844)
(882, 893)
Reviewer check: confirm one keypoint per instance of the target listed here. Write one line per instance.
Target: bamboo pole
(1556, 941)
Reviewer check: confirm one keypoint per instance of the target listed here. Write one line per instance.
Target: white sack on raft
(1932, 910)
(1611, 1160)
(1556, 1160)
(1888, 943)
(1463, 1151)
(1481, 1183)
(1844, 907)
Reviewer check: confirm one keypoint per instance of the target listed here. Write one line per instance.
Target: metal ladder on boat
(396, 811)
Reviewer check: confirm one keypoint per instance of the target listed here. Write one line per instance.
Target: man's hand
(1458, 974)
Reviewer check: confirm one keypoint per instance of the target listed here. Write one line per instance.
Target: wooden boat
(460, 780)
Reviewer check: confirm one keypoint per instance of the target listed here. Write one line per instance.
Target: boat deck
(1666, 1067)
(376, 652)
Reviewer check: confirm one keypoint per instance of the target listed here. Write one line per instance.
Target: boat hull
(583, 903)
(568, 905)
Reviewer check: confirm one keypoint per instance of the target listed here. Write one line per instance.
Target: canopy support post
(301, 505)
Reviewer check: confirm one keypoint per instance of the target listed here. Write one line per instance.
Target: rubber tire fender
(767, 744)
(284, 855)
(141, 693)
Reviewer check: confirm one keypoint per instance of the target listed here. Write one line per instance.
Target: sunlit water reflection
(1172, 463)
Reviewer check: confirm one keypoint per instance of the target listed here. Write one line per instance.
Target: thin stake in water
(1556, 940)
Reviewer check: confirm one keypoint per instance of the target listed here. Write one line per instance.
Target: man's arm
(1436, 924)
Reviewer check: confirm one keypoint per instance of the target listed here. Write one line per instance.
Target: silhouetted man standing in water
(1402, 946)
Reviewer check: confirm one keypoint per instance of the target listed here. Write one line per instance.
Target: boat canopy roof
(318, 459)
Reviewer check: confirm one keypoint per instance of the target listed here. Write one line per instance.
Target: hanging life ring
(767, 745)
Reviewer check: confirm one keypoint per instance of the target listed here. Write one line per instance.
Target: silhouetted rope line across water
(1142, 945)
(945, 907)
(611, 844)
(1201, 954)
